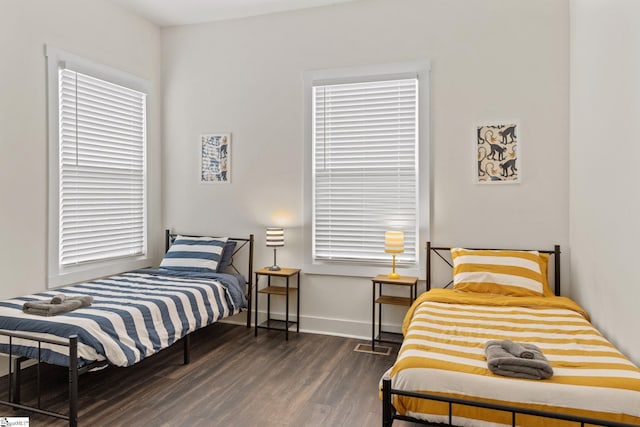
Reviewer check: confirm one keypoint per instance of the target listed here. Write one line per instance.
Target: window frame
(421, 69)
(58, 275)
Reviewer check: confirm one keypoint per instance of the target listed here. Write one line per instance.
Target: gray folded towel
(57, 299)
(86, 299)
(501, 362)
(42, 308)
(517, 349)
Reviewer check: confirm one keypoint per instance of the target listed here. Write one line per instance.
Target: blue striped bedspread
(133, 315)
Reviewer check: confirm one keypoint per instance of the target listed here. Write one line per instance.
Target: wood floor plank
(234, 379)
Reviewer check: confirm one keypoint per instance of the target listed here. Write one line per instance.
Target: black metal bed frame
(389, 413)
(15, 362)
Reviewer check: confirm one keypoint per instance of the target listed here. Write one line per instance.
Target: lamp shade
(275, 237)
(394, 242)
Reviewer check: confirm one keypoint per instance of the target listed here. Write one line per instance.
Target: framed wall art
(215, 158)
(498, 156)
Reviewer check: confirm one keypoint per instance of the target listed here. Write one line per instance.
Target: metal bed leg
(387, 409)
(249, 298)
(17, 379)
(73, 381)
(250, 302)
(186, 350)
(15, 383)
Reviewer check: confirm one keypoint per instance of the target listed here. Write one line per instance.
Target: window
(365, 166)
(97, 145)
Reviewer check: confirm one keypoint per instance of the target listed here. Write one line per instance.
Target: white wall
(100, 32)
(492, 60)
(605, 124)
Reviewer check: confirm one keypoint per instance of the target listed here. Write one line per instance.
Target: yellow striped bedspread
(443, 353)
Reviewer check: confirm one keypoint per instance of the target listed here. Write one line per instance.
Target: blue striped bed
(134, 315)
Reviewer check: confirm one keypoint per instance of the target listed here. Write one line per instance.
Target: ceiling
(181, 12)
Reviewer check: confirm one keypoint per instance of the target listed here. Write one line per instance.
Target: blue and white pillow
(227, 256)
(201, 254)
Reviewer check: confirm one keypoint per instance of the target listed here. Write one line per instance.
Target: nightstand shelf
(285, 291)
(277, 325)
(276, 290)
(388, 299)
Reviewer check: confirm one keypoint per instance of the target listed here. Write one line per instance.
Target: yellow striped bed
(443, 354)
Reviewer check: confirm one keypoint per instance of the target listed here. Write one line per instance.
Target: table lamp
(393, 244)
(275, 239)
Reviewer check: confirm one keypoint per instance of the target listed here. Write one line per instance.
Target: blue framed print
(215, 158)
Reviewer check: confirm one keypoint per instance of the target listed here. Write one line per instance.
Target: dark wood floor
(233, 379)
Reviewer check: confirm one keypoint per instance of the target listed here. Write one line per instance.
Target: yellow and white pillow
(512, 273)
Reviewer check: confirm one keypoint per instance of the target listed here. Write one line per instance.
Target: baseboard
(347, 328)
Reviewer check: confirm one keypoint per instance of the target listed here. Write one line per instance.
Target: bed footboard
(389, 413)
(15, 362)
(15, 368)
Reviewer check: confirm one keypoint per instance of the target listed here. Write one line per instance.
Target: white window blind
(365, 169)
(102, 134)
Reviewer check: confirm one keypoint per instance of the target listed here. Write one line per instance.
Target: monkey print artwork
(508, 132)
(497, 153)
(509, 165)
(496, 149)
(482, 154)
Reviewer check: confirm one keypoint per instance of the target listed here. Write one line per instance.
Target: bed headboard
(244, 247)
(444, 253)
(243, 243)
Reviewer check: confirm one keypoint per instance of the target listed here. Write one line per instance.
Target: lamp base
(274, 268)
(393, 274)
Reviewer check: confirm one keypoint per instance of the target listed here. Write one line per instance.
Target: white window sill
(95, 270)
(355, 270)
